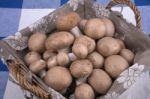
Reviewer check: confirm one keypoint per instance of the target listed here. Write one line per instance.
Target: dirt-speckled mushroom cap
(68, 21)
(96, 59)
(59, 40)
(58, 78)
(84, 91)
(100, 81)
(36, 42)
(81, 68)
(115, 64)
(95, 28)
(128, 55)
(31, 57)
(86, 41)
(108, 46)
(110, 28)
(37, 66)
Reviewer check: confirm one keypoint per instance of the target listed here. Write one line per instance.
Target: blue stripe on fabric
(11, 3)
(3, 83)
(142, 2)
(63, 1)
(9, 21)
(3, 67)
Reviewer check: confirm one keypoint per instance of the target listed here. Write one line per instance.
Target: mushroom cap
(115, 64)
(121, 43)
(68, 21)
(36, 42)
(37, 66)
(100, 81)
(80, 50)
(110, 28)
(108, 46)
(47, 54)
(95, 28)
(82, 24)
(51, 62)
(59, 40)
(128, 55)
(87, 42)
(31, 57)
(84, 91)
(62, 58)
(81, 68)
(96, 59)
(58, 78)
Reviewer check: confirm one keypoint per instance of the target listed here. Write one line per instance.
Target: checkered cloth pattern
(17, 14)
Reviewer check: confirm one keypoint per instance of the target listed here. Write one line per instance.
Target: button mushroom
(52, 61)
(82, 24)
(58, 78)
(38, 67)
(114, 65)
(108, 46)
(31, 57)
(121, 43)
(96, 59)
(36, 42)
(81, 69)
(47, 54)
(84, 91)
(69, 22)
(59, 40)
(82, 46)
(100, 81)
(128, 55)
(95, 28)
(110, 28)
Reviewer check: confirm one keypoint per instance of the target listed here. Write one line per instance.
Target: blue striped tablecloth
(14, 12)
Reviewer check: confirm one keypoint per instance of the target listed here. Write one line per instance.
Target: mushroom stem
(76, 31)
(63, 91)
(81, 80)
(42, 73)
(65, 50)
(72, 57)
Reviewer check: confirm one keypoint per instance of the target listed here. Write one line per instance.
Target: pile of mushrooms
(81, 59)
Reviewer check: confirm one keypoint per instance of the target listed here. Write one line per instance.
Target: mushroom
(81, 69)
(31, 57)
(96, 59)
(58, 78)
(110, 28)
(36, 42)
(69, 22)
(114, 65)
(82, 46)
(95, 28)
(108, 46)
(82, 24)
(84, 91)
(47, 54)
(128, 55)
(38, 67)
(100, 81)
(121, 43)
(59, 40)
(52, 61)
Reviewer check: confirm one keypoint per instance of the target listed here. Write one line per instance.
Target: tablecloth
(17, 14)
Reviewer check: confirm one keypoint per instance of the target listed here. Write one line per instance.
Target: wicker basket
(13, 48)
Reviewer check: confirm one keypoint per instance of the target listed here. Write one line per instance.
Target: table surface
(17, 14)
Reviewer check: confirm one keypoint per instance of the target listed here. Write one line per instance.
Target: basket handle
(131, 5)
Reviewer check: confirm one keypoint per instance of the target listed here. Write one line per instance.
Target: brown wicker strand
(131, 5)
(19, 75)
